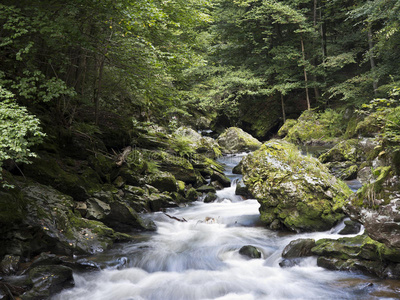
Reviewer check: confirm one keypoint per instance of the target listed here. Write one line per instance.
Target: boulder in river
(47, 280)
(359, 253)
(299, 248)
(294, 189)
(250, 251)
(234, 140)
(351, 227)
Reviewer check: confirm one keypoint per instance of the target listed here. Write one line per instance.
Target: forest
(114, 110)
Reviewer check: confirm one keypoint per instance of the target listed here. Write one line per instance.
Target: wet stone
(250, 251)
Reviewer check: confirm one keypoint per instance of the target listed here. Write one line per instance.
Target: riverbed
(195, 255)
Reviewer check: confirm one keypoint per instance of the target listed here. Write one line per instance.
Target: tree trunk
(314, 61)
(323, 36)
(305, 71)
(372, 60)
(283, 108)
(97, 90)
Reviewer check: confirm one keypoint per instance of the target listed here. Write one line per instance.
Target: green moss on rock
(295, 189)
(234, 140)
(312, 126)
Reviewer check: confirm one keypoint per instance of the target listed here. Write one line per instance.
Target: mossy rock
(206, 189)
(157, 202)
(180, 167)
(299, 248)
(250, 251)
(371, 125)
(221, 178)
(48, 280)
(295, 189)
(345, 151)
(49, 223)
(163, 181)
(359, 253)
(284, 130)
(343, 170)
(234, 140)
(200, 144)
(78, 180)
(210, 197)
(312, 126)
(191, 195)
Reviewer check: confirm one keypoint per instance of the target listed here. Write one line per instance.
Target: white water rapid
(199, 259)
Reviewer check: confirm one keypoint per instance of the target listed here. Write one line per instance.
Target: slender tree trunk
(283, 108)
(323, 36)
(314, 61)
(98, 90)
(372, 60)
(305, 71)
(98, 85)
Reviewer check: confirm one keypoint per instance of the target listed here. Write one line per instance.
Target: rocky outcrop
(234, 140)
(351, 227)
(201, 144)
(39, 218)
(360, 254)
(295, 190)
(345, 158)
(299, 248)
(295, 251)
(313, 128)
(48, 280)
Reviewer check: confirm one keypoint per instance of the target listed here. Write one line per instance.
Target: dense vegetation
(249, 63)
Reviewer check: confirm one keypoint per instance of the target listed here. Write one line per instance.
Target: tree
(19, 131)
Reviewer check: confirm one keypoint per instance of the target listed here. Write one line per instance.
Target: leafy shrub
(19, 131)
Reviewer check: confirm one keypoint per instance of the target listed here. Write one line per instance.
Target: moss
(12, 206)
(372, 124)
(181, 186)
(351, 130)
(235, 139)
(368, 193)
(191, 194)
(284, 130)
(313, 126)
(344, 151)
(76, 181)
(295, 189)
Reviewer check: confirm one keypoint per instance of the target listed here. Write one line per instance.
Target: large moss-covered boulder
(296, 190)
(36, 218)
(359, 253)
(234, 140)
(198, 142)
(314, 128)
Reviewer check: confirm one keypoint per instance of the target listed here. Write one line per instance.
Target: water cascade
(199, 259)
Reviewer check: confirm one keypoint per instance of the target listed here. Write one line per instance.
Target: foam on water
(199, 259)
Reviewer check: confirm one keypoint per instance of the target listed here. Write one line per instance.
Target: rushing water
(199, 259)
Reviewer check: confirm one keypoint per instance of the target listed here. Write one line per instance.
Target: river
(199, 259)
